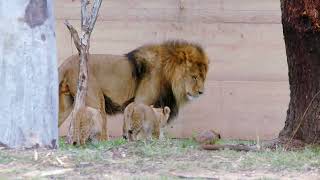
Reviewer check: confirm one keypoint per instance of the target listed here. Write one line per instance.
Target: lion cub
(91, 126)
(144, 122)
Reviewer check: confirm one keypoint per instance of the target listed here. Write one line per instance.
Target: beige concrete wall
(247, 88)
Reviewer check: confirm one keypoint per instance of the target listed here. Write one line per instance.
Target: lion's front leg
(148, 91)
(104, 131)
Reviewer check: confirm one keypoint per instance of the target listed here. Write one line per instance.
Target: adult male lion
(167, 74)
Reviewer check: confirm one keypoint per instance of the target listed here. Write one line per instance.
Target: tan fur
(144, 122)
(179, 67)
(91, 126)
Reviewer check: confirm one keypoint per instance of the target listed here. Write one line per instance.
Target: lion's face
(194, 84)
(193, 80)
(189, 77)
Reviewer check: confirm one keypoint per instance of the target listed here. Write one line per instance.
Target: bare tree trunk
(28, 75)
(78, 114)
(300, 19)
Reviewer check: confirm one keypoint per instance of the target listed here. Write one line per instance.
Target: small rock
(208, 137)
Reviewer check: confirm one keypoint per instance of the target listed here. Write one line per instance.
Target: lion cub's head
(144, 122)
(162, 115)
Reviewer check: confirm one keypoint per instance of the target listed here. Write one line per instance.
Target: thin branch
(74, 35)
(94, 14)
(84, 13)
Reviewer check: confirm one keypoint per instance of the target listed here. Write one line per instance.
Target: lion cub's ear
(166, 110)
(166, 113)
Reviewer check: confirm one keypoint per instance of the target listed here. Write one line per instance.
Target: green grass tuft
(278, 160)
(166, 147)
(101, 145)
(4, 158)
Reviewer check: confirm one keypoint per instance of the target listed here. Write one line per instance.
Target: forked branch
(94, 15)
(74, 35)
(82, 44)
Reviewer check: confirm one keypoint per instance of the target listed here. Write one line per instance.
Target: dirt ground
(167, 159)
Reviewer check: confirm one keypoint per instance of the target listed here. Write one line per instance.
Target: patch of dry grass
(166, 159)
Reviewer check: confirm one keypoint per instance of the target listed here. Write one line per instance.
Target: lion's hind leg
(95, 99)
(66, 101)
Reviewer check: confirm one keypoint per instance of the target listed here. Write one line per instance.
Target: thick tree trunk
(28, 75)
(301, 29)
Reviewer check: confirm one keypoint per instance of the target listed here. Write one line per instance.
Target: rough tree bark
(301, 29)
(28, 74)
(82, 43)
